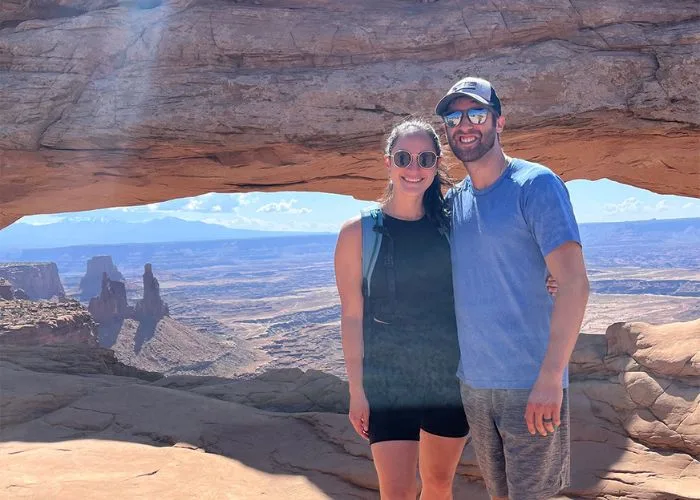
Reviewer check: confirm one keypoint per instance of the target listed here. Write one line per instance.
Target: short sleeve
(548, 212)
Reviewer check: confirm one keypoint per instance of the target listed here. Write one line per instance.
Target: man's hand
(543, 412)
(359, 413)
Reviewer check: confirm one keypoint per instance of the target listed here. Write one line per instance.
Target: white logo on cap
(469, 86)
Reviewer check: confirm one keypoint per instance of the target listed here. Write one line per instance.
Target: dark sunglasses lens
(452, 119)
(427, 159)
(402, 159)
(478, 115)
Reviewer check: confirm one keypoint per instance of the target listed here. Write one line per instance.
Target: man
(512, 223)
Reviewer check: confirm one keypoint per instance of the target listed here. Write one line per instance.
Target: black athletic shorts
(404, 424)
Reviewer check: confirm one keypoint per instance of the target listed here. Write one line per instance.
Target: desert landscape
(212, 369)
(251, 328)
(275, 298)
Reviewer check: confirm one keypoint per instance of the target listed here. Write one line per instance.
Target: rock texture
(635, 412)
(6, 290)
(32, 323)
(111, 305)
(37, 280)
(151, 307)
(170, 347)
(287, 390)
(91, 285)
(634, 424)
(105, 103)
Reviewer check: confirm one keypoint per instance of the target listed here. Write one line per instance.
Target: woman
(400, 346)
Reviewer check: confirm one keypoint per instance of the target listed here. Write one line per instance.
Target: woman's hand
(552, 285)
(359, 413)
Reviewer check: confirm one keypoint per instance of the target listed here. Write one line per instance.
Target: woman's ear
(387, 162)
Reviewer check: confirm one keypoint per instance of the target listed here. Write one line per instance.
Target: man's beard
(465, 155)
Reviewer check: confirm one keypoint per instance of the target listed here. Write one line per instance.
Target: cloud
(661, 206)
(193, 205)
(247, 198)
(283, 207)
(153, 207)
(628, 205)
(688, 205)
(216, 208)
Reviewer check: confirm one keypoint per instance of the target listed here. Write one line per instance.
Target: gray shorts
(513, 462)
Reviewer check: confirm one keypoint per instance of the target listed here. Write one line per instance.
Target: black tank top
(410, 336)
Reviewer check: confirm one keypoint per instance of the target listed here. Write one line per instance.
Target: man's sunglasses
(477, 116)
(426, 159)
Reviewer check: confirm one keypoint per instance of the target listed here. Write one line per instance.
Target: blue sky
(593, 201)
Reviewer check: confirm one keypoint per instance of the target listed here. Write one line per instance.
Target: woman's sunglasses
(426, 159)
(477, 116)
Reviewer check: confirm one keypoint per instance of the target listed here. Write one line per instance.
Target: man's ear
(387, 162)
(500, 124)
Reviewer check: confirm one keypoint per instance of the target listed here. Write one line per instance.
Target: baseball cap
(476, 88)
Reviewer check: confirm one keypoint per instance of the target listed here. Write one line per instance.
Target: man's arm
(566, 265)
(550, 216)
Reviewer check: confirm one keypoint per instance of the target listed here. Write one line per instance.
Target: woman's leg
(439, 457)
(396, 463)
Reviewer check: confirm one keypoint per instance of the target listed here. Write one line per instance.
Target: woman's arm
(348, 276)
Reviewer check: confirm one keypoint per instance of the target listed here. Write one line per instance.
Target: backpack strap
(372, 222)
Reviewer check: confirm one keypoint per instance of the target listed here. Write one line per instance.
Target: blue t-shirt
(500, 236)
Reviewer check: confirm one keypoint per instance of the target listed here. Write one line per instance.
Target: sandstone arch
(114, 102)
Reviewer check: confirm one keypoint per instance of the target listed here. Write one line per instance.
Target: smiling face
(470, 142)
(412, 180)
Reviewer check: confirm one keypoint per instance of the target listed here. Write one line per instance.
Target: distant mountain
(110, 232)
(654, 244)
(672, 243)
(655, 231)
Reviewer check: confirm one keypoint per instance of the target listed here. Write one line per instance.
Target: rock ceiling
(111, 103)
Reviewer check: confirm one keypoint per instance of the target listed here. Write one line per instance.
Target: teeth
(412, 180)
(467, 140)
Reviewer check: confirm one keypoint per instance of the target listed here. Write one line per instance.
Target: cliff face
(111, 304)
(91, 283)
(38, 281)
(151, 307)
(296, 95)
(35, 323)
(635, 412)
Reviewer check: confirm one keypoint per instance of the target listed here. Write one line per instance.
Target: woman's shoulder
(352, 225)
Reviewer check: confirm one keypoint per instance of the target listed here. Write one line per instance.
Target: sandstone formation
(170, 347)
(111, 305)
(108, 104)
(33, 323)
(91, 284)
(151, 307)
(37, 280)
(635, 411)
(635, 433)
(286, 390)
(6, 290)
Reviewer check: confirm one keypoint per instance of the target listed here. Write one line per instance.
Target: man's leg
(537, 467)
(486, 440)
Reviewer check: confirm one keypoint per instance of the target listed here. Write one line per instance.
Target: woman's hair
(434, 204)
